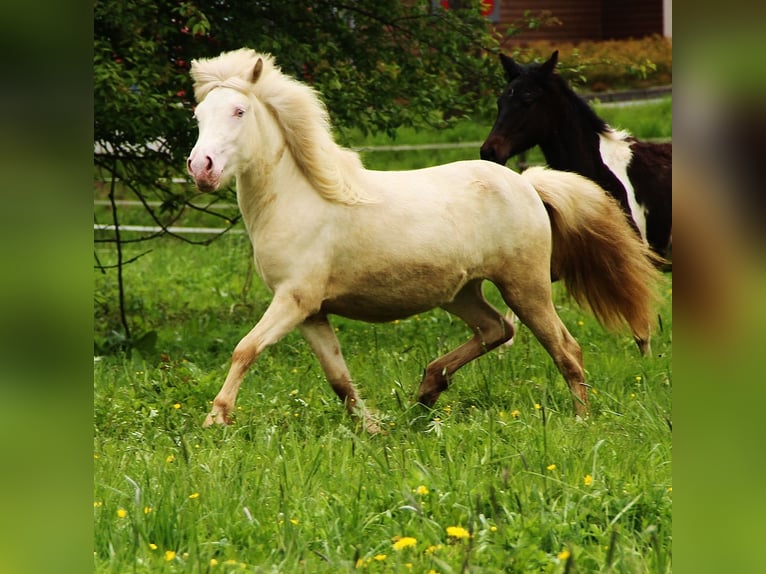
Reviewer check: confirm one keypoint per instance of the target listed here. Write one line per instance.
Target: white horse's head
(226, 118)
(249, 114)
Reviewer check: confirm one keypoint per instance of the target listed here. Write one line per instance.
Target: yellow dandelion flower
(294, 392)
(564, 554)
(177, 406)
(170, 458)
(405, 542)
(170, 555)
(294, 521)
(432, 572)
(121, 513)
(458, 532)
(433, 548)
(213, 562)
(551, 467)
(587, 480)
(194, 495)
(359, 563)
(515, 413)
(581, 322)
(421, 490)
(670, 489)
(152, 546)
(493, 528)
(147, 509)
(638, 378)
(408, 565)
(95, 456)
(97, 504)
(380, 557)
(538, 406)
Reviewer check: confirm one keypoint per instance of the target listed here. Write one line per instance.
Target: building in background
(583, 19)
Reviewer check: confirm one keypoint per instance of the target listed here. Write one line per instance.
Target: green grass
(294, 486)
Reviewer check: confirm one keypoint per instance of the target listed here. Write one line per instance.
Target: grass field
(499, 477)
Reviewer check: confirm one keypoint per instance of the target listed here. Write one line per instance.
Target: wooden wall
(588, 19)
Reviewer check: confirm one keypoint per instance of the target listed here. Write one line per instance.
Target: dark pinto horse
(538, 107)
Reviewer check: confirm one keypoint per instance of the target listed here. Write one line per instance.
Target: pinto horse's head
(523, 110)
(224, 115)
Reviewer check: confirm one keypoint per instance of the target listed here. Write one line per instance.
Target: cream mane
(300, 113)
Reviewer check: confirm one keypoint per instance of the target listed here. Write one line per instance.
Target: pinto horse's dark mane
(580, 108)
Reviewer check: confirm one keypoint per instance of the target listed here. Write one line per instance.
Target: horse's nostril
(209, 164)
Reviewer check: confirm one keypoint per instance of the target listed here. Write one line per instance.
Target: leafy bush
(607, 65)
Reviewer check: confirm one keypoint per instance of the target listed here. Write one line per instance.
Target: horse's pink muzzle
(206, 174)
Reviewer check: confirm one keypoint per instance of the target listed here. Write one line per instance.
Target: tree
(378, 64)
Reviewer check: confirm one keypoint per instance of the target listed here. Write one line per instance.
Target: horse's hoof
(215, 418)
(373, 428)
(428, 399)
(644, 346)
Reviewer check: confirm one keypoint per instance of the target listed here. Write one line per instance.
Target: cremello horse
(330, 237)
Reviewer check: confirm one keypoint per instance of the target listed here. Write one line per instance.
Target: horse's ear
(548, 67)
(512, 69)
(257, 70)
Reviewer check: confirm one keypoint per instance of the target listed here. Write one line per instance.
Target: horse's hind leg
(534, 308)
(490, 329)
(320, 336)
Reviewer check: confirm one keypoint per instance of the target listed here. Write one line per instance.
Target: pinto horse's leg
(490, 329)
(283, 315)
(535, 309)
(320, 336)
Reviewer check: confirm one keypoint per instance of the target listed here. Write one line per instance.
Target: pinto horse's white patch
(616, 154)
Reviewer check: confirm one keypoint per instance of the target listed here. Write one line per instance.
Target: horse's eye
(239, 112)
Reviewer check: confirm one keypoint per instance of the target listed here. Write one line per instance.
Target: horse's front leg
(320, 336)
(285, 312)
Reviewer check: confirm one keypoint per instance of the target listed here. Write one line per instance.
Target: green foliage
(378, 65)
(294, 486)
(597, 66)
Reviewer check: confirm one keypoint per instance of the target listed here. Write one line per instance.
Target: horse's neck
(574, 147)
(577, 147)
(269, 191)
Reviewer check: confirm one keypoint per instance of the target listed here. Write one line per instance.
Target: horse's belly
(388, 295)
(371, 310)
